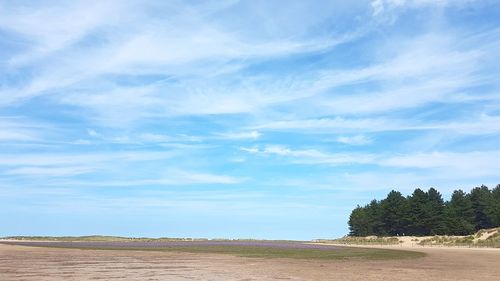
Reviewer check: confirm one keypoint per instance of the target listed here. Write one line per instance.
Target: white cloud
(175, 177)
(49, 171)
(81, 142)
(173, 47)
(155, 137)
(354, 140)
(111, 166)
(139, 138)
(378, 7)
(63, 159)
(204, 178)
(241, 135)
(474, 125)
(412, 73)
(381, 7)
(52, 28)
(16, 135)
(285, 151)
(418, 71)
(313, 156)
(171, 177)
(432, 63)
(93, 133)
(337, 124)
(252, 150)
(474, 164)
(21, 129)
(452, 164)
(106, 39)
(481, 125)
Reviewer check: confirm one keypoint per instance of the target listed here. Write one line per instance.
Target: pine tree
(374, 214)
(395, 213)
(481, 201)
(435, 223)
(426, 213)
(459, 214)
(358, 222)
(494, 209)
(418, 213)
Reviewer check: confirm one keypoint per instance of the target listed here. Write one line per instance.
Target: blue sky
(239, 119)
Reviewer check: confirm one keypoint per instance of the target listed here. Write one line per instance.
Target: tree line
(426, 213)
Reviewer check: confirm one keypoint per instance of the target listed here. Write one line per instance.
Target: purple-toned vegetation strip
(174, 244)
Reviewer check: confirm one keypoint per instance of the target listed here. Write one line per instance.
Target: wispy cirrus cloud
(391, 7)
(174, 45)
(306, 102)
(37, 171)
(241, 135)
(311, 156)
(483, 124)
(32, 167)
(49, 159)
(354, 140)
(17, 128)
(474, 164)
(170, 177)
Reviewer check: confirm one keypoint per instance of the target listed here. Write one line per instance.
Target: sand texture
(43, 264)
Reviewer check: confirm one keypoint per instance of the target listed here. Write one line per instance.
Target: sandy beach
(51, 264)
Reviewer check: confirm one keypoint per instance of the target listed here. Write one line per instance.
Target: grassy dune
(489, 238)
(484, 238)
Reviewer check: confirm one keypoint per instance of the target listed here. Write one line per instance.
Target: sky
(239, 119)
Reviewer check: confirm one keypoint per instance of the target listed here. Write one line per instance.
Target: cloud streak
(308, 102)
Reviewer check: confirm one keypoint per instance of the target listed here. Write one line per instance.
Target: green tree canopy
(426, 213)
(395, 213)
(481, 198)
(419, 213)
(459, 214)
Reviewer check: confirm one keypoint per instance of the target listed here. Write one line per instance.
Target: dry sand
(42, 264)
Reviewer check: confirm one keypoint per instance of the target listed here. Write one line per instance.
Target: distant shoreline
(105, 238)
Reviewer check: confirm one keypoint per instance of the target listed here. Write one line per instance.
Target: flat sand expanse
(34, 263)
